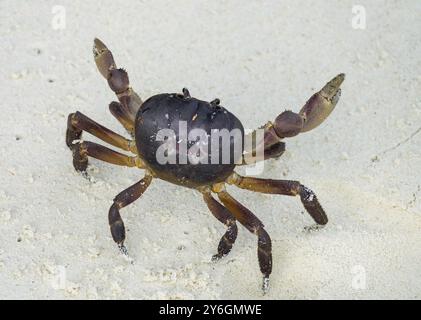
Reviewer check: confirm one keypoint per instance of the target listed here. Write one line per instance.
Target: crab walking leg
(254, 225)
(82, 150)
(275, 151)
(272, 152)
(122, 200)
(223, 215)
(284, 187)
(78, 122)
(122, 116)
(118, 79)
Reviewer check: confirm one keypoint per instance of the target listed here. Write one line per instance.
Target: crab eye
(186, 93)
(215, 102)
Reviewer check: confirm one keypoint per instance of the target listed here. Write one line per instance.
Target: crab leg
(254, 225)
(272, 152)
(311, 115)
(82, 150)
(284, 187)
(78, 122)
(122, 200)
(224, 216)
(118, 79)
(123, 116)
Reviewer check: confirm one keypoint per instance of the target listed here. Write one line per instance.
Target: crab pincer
(118, 80)
(313, 113)
(321, 104)
(289, 124)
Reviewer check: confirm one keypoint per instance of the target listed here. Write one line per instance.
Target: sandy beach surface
(259, 58)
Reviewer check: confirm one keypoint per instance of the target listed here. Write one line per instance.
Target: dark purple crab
(144, 120)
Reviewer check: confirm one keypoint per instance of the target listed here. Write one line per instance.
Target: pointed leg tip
(81, 166)
(84, 174)
(216, 258)
(313, 228)
(265, 285)
(123, 250)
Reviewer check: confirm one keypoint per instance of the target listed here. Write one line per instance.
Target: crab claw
(103, 58)
(321, 104)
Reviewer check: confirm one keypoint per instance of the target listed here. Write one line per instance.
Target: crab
(145, 120)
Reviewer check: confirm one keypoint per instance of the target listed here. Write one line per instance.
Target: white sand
(258, 58)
